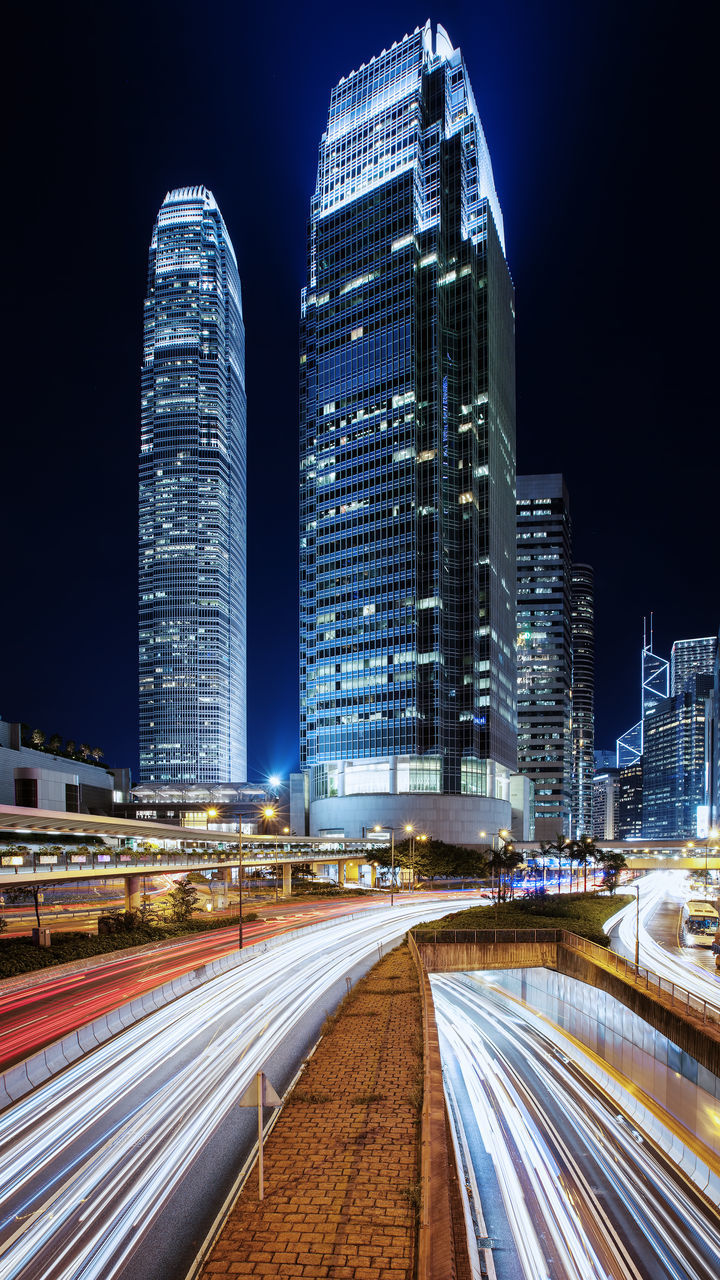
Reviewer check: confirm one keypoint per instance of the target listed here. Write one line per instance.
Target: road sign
(260, 1094)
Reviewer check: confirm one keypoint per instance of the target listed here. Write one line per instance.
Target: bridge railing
(661, 989)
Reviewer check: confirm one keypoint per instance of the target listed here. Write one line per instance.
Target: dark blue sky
(598, 119)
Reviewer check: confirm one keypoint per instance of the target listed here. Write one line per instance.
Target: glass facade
(675, 762)
(192, 544)
(544, 653)
(407, 563)
(690, 658)
(583, 698)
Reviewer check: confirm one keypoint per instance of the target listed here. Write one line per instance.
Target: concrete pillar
(373, 875)
(133, 893)
(341, 872)
(287, 879)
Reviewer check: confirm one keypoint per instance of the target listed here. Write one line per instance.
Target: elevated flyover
(134, 848)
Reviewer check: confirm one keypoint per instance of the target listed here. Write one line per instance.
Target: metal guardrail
(670, 994)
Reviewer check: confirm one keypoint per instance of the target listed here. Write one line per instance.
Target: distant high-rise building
(691, 658)
(407, 421)
(676, 762)
(583, 698)
(654, 688)
(606, 796)
(192, 541)
(544, 652)
(630, 801)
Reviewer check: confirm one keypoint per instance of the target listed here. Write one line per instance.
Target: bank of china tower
(407, 563)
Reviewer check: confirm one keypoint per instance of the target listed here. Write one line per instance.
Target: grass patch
(20, 955)
(365, 1098)
(310, 1096)
(583, 913)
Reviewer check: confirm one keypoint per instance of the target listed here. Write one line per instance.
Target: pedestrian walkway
(342, 1181)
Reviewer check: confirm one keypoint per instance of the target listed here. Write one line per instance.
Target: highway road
(662, 894)
(116, 1167)
(38, 1012)
(563, 1187)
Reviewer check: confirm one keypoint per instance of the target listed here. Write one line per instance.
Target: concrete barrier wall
(25, 1076)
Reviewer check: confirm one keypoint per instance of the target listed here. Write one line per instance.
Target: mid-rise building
(630, 801)
(582, 580)
(690, 658)
(52, 776)
(407, 560)
(192, 539)
(606, 799)
(544, 649)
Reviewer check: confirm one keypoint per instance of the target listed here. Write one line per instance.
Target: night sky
(599, 120)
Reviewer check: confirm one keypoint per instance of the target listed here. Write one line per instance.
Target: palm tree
(84, 750)
(97, 754)
(70, 747)
(37, 738)
(55, 743)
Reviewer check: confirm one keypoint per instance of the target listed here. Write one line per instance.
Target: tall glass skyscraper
(544, 638)
(582, 580)
(192, 544)
(407, 591)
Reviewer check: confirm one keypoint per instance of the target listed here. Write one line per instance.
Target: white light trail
(515, 1077)
(88, 1160)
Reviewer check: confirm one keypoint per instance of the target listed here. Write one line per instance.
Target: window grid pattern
(192, 508)
(407, 512)
(544, 649)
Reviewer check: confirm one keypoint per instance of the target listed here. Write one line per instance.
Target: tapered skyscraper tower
(192, 543)
(407, 610)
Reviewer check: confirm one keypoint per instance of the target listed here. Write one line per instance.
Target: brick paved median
(342, 1163)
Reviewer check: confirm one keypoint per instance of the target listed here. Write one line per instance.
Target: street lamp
(269, 812)
(637, 926)
(240, 878)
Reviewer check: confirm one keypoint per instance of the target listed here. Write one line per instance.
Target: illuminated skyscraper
(582, 581)
(192, 543)
(544, 629)
(690, 658)
(407, 591)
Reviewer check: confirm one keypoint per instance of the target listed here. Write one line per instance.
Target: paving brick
(336, 1171)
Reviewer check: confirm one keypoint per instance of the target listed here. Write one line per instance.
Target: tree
(182, 900)
(70, 747)
(502, 862)
(612, 863)
(558, 847)
(55, 743)
(84, 750)
(18, 895)
(97, 754)
(431, 858)
(37, 739)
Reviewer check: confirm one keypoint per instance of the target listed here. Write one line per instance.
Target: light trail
(585, 1197)
(654, 889)
(89, 1160)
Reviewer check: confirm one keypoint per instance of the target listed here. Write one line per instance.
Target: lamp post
(637, 926)
(240, 878)
(269, 812)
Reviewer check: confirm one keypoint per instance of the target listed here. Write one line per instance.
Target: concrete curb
(23, 1077)
(436, 1240)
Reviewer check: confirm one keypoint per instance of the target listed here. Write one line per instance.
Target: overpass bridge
(132, 848)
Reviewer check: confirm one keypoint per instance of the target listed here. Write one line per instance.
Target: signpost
(260, 1094)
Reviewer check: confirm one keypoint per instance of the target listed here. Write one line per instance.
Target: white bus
(699, 923)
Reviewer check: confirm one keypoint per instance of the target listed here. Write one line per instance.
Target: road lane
(32, 1016)
(115, 1147)
(583, 1196)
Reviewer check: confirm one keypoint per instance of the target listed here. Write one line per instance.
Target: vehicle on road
(699, 923)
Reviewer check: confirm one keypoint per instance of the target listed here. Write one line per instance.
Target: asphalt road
(566, 1188)
(38, 1012)
(114, 1169)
